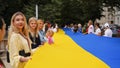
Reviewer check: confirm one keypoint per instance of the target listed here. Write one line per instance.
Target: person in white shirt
(108, 32)
(90, 27)
(55, 27)
(97, 29)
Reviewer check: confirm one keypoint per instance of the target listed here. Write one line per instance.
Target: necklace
(34, 38)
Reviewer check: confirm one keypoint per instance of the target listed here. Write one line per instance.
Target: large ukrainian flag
(105, 48)
(64, 53)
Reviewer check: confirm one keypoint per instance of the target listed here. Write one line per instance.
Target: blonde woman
(33, 32)
(41, 31)
(19, 45)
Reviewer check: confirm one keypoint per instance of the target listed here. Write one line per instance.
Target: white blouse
(97, 31)
(90, 29)
(16, 43)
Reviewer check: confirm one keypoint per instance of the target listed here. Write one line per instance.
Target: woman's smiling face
(19, 22)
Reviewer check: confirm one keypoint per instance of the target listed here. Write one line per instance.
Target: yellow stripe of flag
(64, 53)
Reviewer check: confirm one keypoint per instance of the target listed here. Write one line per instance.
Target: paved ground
(3, 57)
(3, 52)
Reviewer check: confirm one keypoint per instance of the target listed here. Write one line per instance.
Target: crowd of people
(24, 38)
(104, 30)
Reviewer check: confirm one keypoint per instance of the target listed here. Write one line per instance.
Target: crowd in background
(108, 29)
(24, 38)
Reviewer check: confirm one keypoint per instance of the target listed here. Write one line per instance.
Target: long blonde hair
(36, 29)
(14, 29)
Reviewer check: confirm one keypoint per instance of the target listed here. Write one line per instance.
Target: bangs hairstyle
(14, 29)
(40, 20)
(36, 29)
(31, 19)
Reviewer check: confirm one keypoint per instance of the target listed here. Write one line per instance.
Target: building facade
(117, 17)
(110, 15)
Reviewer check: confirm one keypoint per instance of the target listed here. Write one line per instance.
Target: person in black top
(33, 32)
(35, 41)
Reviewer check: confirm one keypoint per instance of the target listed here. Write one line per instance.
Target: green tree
(9, 7)
(111, 3)
(71, 11)
(2, 7)
(77, 11)
(57, 10)
(48, 9)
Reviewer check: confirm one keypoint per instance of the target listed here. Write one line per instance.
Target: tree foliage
(74, 11)
(111, 3)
